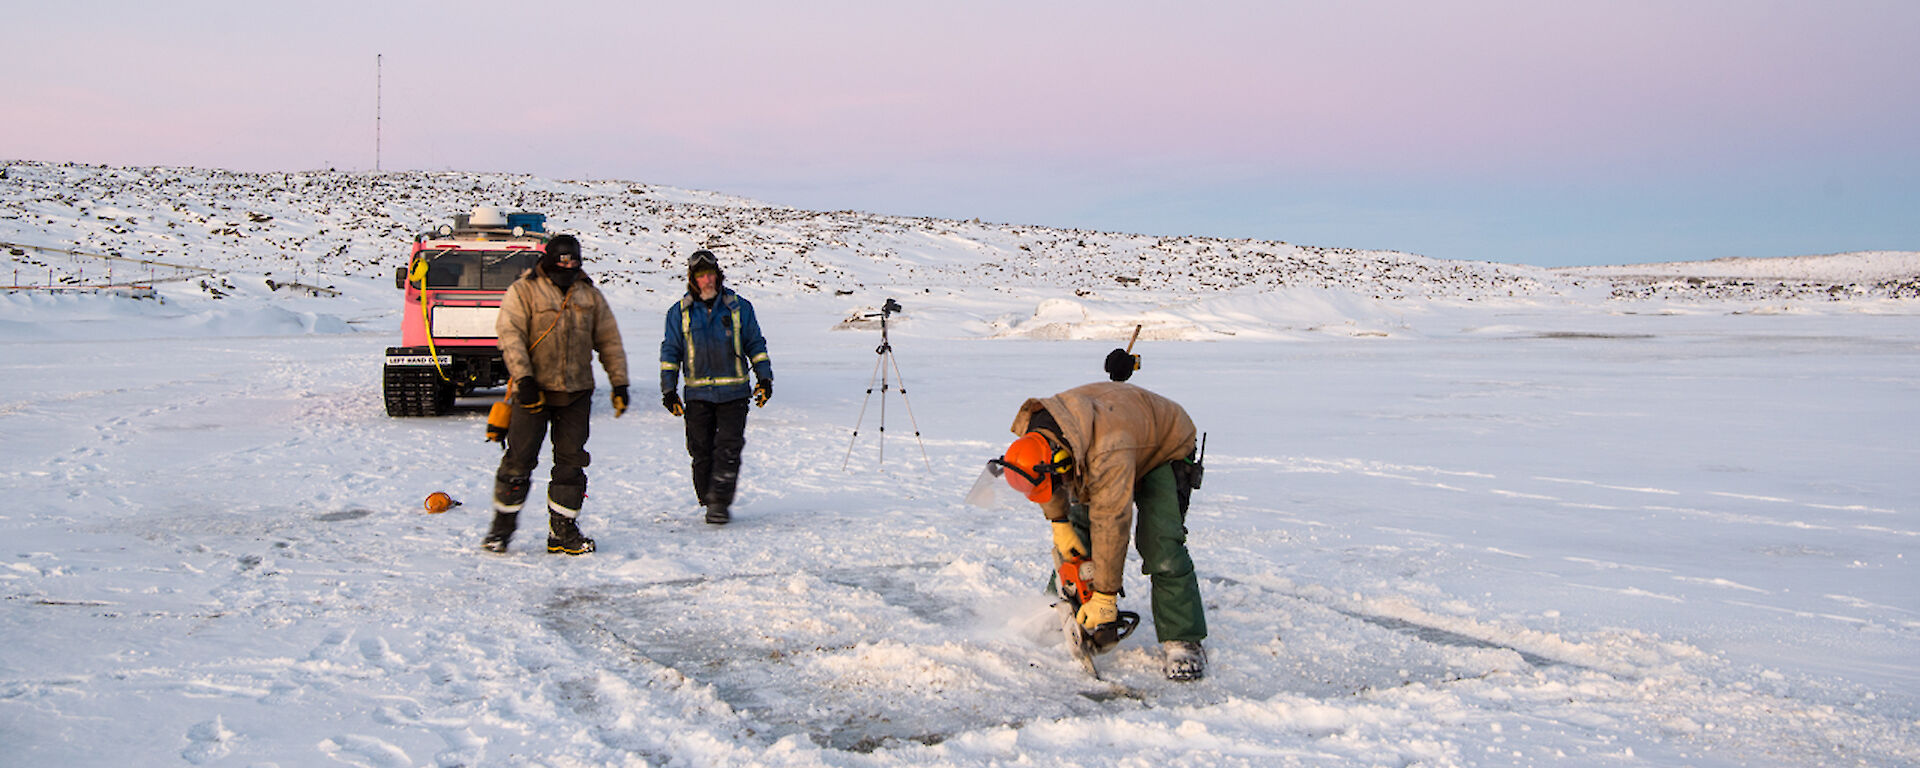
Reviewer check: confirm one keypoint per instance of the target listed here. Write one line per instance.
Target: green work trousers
(1160, 535)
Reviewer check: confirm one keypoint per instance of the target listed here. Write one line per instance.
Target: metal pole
(376, 112)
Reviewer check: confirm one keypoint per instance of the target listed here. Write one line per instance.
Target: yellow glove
(619, 400)
(1066, 541)
(1102, 609)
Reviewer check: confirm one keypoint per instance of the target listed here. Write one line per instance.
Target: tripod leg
(863, 413)
(886, 353)
(910, 419)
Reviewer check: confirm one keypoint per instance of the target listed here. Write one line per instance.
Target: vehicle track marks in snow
(1631, 592)
(1613, 566)
(1727, 583)
(1859, 603)
(1750, 497)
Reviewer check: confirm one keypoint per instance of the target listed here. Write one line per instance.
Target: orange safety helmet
(439, 501)
(1030, 464)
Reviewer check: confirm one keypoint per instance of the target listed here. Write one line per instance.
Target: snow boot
(563, 535)
(1185, 660)
(718, 514)
(500, 532)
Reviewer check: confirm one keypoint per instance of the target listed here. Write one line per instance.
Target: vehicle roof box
(488, 218)
(532, 222)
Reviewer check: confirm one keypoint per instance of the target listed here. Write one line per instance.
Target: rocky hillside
(1868, 275)
(309, 226)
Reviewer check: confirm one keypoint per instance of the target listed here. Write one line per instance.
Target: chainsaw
(1076, 588)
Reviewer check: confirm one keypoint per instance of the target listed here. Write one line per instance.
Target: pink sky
(1544, 132)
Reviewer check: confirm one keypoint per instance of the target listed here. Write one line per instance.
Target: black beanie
(1120, 365)
(560, 245)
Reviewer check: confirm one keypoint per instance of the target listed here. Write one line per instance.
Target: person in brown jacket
(552, 320)
(1112, 448)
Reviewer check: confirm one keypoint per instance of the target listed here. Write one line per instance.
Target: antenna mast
(376, 112)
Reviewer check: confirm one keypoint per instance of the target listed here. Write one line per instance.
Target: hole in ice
(865, 658)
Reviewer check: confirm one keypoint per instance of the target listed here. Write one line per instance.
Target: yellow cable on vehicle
(426, 321)
(419, 277)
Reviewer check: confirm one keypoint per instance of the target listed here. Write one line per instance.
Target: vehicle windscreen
(476, 270)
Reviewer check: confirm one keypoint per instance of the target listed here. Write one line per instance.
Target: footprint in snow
(356, 749)
(331, 645)
(283, 692)
(377, 652)
(402, 712)
(207, 741)
(463, 746)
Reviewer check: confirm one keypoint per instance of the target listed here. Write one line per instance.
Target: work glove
(527, 391)
(619, 400)
(1066, 541)
(1121, 365)
(1103, 609)
(671, 400)
(762, 392)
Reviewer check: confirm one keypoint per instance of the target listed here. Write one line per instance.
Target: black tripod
(882, 366)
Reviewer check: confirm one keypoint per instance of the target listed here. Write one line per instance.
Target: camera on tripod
(886, 370)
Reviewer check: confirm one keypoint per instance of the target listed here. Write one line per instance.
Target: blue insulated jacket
(714, 347)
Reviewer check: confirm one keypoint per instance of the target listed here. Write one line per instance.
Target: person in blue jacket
(713, 339)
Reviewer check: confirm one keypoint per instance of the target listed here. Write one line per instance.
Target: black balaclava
(561, 245)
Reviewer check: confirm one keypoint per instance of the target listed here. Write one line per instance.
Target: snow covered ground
(1485, 515)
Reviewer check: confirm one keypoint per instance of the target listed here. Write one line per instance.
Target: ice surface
(1442, 525)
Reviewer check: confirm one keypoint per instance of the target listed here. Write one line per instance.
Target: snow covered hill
(1838, 277)
(318, 225)
(356, 223)
(1456, 514)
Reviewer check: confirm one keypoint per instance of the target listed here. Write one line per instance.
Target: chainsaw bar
(1078, 643)
(1085, 644)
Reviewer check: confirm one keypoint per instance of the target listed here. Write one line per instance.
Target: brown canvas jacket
(581, 321)
(1117, 432)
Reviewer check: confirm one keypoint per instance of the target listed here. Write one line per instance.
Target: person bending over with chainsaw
(713, 337)
(1093, 455)
(551, 322)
